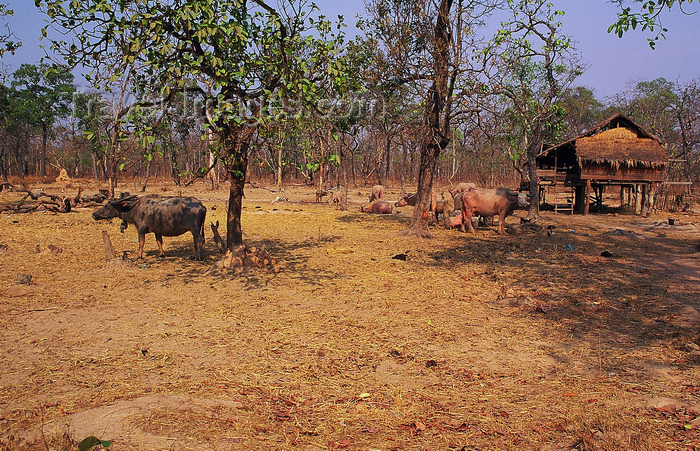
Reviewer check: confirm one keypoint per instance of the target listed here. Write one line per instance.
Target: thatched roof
(616, 140)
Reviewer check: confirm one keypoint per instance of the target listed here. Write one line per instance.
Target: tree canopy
(7, 37)
(646, 14)
(259, 62)
(44, 95)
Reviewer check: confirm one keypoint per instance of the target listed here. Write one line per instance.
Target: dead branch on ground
(217, 238)
(48, 202)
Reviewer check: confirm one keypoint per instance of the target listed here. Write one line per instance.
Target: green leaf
(91, 441)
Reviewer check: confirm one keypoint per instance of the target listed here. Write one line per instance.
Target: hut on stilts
(616, 152)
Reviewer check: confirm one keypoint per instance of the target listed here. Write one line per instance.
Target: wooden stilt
(638, 199)
(622, 196)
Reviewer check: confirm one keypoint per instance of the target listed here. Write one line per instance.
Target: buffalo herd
(173, 216)
(467, 202)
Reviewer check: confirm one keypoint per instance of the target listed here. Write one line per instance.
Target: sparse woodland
(309, 323)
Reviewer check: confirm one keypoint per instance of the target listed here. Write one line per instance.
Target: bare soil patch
(527, 341)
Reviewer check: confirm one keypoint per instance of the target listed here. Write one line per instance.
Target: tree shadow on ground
(293, 263)
(358, 217)
(625, 301)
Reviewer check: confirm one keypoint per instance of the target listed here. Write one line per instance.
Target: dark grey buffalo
(491, 202)
(169, 216)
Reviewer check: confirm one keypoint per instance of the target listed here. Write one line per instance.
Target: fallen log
(53, 203)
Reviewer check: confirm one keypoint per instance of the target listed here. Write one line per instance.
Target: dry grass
(474, 342)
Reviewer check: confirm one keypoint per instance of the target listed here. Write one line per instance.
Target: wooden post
(650, 198)
(587, 197)
(638, 199)
(630, 196)
(622, 196)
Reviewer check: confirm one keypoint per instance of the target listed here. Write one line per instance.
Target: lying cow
(377, 193)
(492, 202)
(411, 199)
(454, 220)
(170, 216)
(377, 207)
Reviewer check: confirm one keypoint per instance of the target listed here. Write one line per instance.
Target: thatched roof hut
(615, 150)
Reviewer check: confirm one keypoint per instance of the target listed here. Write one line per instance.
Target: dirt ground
(527, 341)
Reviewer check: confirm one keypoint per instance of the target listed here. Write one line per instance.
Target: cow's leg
(159, 240)
(501, 224)
(467, 218)
(198, 242)
(142, 240)
(467, 215)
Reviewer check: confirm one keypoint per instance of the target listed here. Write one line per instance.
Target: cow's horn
(530, 195)
(511, 193)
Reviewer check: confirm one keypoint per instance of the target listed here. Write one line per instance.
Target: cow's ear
(125, 203)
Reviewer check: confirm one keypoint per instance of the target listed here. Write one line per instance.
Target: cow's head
(521, 199)
(114, 207)
(404, 200)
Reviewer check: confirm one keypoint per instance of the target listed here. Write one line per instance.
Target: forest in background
(47, 123)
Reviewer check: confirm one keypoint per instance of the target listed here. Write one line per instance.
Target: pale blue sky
(613, 63)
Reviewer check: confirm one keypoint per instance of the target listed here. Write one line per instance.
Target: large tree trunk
(421, 212)
(234, 231)
(435, 137)
(237, 166)
(174, 166)
(94, 167)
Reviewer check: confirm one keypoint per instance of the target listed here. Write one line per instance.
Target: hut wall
(623, 173)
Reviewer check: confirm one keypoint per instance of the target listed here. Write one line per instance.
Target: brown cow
(441, 208)
(460, 188)
(320, 193)
(410, 199)
(377, 193)
(337, 200)
(492, 202)
(454, 220)
(378, 207)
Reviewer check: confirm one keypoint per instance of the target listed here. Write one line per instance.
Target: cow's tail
(202, 220)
